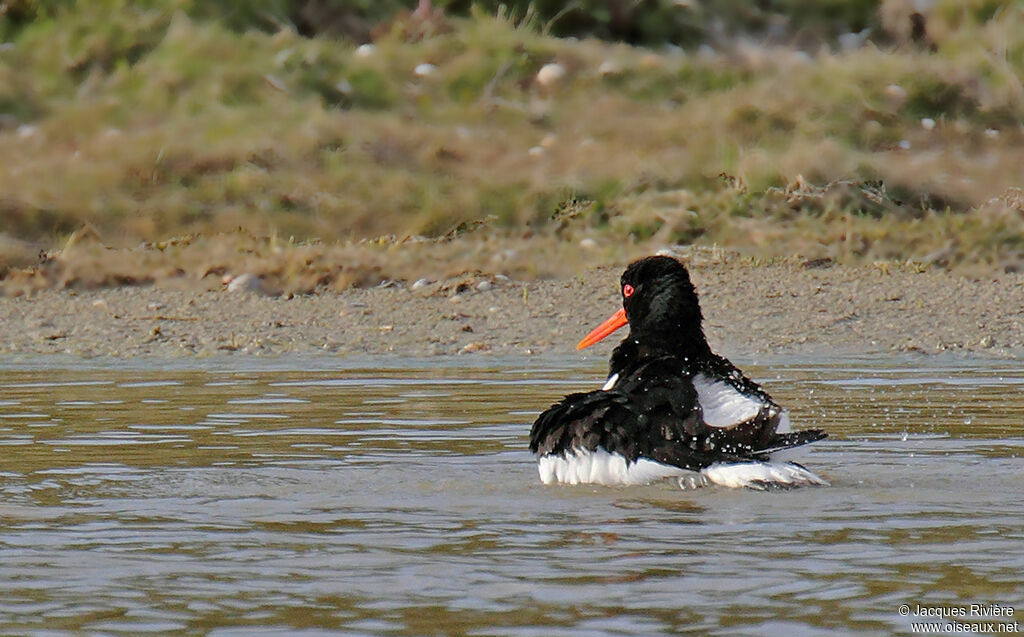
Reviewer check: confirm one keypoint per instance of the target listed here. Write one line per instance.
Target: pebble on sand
(244, 283)
(896, 95)
(609, 67)
(550, 74)
(425, 69)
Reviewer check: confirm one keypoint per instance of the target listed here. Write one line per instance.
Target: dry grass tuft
(276, 266)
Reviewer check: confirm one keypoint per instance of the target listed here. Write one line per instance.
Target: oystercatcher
(671, 406)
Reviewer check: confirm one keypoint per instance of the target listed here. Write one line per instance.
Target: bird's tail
(788, 440)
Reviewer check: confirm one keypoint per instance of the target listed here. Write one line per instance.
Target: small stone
(425, 69)
(991, 133)
(904, 144)
(365, 50)
(475, 347)
(609, 67)
(420, 284)
(536, 151)
(587, 244)
(484, 286)
(244, 283)
(928, 123)
(895, 94)
(550, 74)
(853, 40)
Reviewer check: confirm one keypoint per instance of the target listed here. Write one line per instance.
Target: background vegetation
(841, 129)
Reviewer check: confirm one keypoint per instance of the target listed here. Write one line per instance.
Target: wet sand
(750, 309)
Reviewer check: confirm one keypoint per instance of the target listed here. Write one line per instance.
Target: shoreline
(750, 310)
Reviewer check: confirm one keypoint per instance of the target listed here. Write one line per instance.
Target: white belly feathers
(611, 469)
(600, 467)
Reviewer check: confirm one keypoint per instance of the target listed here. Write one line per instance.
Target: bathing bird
(671, 408)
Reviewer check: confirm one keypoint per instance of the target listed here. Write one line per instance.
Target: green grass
(148, 121)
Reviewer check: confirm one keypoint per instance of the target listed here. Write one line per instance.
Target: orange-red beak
(614, 322)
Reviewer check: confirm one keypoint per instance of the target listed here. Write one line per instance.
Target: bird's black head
(662, 306)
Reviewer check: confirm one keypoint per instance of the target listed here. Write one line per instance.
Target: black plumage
(653, 409)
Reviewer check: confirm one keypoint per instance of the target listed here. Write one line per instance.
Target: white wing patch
(602, 467)
(784, 426)
(760, 475)
(614, 378)
(722, 404)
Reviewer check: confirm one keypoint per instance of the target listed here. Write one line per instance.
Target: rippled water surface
(382, 497)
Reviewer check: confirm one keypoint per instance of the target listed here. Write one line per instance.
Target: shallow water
(381, 497)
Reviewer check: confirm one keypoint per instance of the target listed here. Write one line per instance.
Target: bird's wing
(586, 421)
(756, 434)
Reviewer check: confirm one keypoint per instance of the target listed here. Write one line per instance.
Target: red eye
(627, 290)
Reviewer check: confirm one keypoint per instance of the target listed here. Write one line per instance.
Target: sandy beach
(780, 308)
